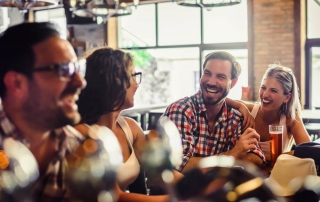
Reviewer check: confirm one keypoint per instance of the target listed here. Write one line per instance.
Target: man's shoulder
(182, 104)
(234, 114)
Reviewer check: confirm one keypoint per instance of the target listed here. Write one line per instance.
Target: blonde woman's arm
(248, 120)
(298, 131)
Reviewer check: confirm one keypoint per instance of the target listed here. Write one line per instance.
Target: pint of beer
(276, 132)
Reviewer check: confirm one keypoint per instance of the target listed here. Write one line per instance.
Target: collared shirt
(198, 140)
(51, 186)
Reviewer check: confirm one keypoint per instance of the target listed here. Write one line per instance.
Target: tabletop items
(222, 179)
(92, 171)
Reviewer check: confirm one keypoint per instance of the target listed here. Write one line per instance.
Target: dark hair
(108, 79)
(222, 55)
(16, 44)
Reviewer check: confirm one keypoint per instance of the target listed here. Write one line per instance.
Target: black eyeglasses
(66, 70)
(138, 77)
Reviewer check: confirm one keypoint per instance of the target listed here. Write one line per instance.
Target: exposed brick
(273, 29)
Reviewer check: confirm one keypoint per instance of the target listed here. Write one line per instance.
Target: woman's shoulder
(248, 105)
(130, 121)
(133, 126)
(292, 122)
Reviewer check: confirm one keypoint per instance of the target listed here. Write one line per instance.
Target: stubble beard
(210, 101)
(44, 118)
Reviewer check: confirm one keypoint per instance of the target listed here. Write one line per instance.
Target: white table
(310, 116)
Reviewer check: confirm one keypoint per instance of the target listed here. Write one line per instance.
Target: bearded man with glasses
(41, 79)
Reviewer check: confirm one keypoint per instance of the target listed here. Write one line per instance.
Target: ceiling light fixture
(28, 4)
(100, 8)
(207, 4)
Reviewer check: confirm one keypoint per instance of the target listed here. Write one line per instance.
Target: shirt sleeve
(257, 151)
(182, 115)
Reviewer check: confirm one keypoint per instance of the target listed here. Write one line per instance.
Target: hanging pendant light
(27, 4)
(101, 8)
(207, 4)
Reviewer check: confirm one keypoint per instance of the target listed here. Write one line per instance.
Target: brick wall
(273, 36)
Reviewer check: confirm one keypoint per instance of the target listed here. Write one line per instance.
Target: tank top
(129, 170)
(287, 139)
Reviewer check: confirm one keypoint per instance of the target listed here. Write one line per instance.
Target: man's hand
(248, 140)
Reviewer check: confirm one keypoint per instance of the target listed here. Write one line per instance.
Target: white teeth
(266, 101)
(211, 90)
(76, 97)
(72, 98)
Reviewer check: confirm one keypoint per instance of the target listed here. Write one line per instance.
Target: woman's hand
(248, 120)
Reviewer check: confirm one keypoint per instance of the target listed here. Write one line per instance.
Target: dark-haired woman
(111, 85)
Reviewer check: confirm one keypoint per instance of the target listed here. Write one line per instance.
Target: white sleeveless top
(287, 139)
(130, 169)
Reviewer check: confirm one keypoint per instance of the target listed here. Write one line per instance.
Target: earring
(284, 108)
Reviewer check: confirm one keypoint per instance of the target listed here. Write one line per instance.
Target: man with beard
(206, 124)
(40, 82)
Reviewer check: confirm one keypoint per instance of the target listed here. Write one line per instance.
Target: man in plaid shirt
(207, 125)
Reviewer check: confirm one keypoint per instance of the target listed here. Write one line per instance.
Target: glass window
(226, 24)
(178, 24)
(313, 16)
(138, 29)
(315, 72)
(167, 74)
(242, 57)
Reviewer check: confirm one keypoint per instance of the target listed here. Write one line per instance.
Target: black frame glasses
(65, 70)
(138, 77)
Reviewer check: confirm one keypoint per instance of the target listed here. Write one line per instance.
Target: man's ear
(233, 82)
(16, 83)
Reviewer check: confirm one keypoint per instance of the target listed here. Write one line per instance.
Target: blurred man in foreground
(39, 85)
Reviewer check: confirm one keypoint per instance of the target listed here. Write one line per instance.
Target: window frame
(212, 46)
(310, 43)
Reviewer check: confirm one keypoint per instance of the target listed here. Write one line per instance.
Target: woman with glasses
(278, 104)
(111, 85)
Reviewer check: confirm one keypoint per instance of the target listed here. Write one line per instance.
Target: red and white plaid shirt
(189, 115)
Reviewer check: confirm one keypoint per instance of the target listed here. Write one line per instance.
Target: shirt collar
(9, 129)
(202, 107)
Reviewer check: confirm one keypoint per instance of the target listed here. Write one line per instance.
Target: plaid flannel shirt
(51, 187)
(189, 115)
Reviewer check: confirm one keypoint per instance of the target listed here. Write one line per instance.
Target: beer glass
(276, 132)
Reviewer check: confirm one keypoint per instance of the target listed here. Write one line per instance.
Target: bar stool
(314, 130)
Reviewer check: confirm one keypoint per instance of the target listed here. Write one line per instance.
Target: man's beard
(39, 116)
(209, 101)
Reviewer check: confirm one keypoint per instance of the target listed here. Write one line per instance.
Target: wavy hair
(108, 78)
